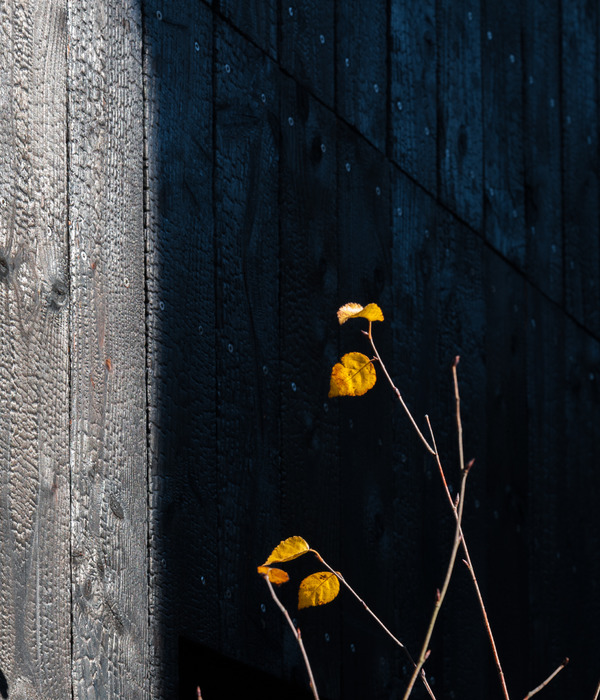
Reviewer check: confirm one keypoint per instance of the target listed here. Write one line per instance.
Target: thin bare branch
(597, 691)
(296, 632)
(377, 620)
(554, 673)
(398, 394)
(469, 564)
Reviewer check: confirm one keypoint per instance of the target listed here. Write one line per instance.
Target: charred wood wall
(189, 190)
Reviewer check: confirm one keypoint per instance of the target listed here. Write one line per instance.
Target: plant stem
(597, 694)
(398, 394)
(441, 594)
(374, 616)
(296, 631)
(556, 671)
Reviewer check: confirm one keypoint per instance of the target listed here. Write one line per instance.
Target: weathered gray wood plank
(108, 408)
(35, 635)
(247, 340)
(181, 334)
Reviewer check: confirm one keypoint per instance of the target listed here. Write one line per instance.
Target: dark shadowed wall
(188, 192)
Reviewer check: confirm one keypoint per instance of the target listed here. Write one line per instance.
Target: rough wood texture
(247, 340)
(181, 336)
(307, 45)
(310, 476)
(35, 636)
(413, 90)
(502, 71)
(542, 146)
(108, 409)
(460, 128)
(361, 68)
(255, 18)
(580, 153)
(365, 273)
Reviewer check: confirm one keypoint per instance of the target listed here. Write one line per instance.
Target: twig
(469, 565)
(296, 631)
(597, 691)
(442, 593)
(377, 620)
(556, 671)
(398, 394)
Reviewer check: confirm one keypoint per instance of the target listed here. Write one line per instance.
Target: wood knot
(58, 295)
(4, 268)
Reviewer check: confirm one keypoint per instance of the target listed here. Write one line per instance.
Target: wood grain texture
(460, 129)
(542, 146)
(108, 408)
(502, 71)
(414, 217)
(507, 474)
(548, 452)
(307, 45)
(580, 57)
(256, 19)
(367, 508)
(181, 336)
(247, 345)
(413, 90)
(35, 635)
(361, 68)
(309, 446)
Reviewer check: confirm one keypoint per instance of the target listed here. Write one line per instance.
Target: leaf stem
(374, 616)
(554, 673)
(296, 632)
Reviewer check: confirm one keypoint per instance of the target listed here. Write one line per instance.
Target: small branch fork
(457, 509)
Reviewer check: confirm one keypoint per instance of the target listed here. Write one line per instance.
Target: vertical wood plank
(309, 432)
(35, 634)
(413, 90)
(361, 68)
(460, 131)
(542, 145)
(414, 218)
(181, 334)
(108, 407)
(307, 45)
(506, 465)
(247, 346)
(579, 567)
(580, 153)
(502, 71)
(367, 535)
(256, 18)
(548, 460)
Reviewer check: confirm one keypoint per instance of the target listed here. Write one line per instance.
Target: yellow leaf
(287, 550)
(354, 375)
(353, 310)
(276, 576)
(318, 589)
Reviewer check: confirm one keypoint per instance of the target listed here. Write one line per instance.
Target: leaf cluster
(317, 589)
